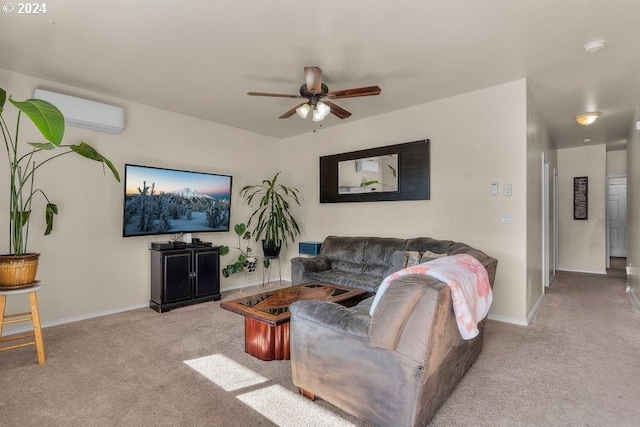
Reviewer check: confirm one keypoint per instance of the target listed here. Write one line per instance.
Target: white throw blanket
(469, 283)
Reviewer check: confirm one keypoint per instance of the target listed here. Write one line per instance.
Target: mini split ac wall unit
(85, 114)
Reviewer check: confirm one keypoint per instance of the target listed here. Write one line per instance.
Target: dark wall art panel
(581, 198)
(392, 172)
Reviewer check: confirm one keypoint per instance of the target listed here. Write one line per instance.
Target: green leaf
(21, 217)
(240, 229)
(43, 145)
(367, 183)
(46, 116)
(50, 211)
(225, 272)
(3, 98)
(247, 235)
(223, 250)
(85, 150)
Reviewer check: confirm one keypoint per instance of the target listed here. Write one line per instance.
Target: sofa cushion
(428, 256)
(411, 258)
(344, 249)
(400, 260)
(355, 280)
(347, 266)
(422, 244)
(394, 308)
(380, 250)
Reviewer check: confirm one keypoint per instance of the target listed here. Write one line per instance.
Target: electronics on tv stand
(175, 244)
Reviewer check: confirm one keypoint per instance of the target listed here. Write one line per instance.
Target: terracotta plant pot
(18, 271)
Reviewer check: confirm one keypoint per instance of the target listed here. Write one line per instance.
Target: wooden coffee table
(266, 323)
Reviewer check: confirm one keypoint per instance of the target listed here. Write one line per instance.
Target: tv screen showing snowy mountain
(167, 201)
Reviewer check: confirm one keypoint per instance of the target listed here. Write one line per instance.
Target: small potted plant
(244, 261)
(272, 218)
(18, 267)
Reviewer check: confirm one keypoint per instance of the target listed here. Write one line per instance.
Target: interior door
(617, 214)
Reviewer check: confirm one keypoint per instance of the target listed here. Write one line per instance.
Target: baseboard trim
(635, 299)
(583, 271)
(246, 285)
(534, 310)
(505, 319)
(18, 329)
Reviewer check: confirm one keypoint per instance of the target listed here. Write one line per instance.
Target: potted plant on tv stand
(271, 216)
(18, 267)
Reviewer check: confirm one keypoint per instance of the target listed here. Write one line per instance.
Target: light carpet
(577, 364)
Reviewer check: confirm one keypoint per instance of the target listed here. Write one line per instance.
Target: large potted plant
(271, 217)
(18, 267)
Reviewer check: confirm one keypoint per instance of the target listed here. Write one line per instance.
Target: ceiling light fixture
(320, 110)
(303, 110)
(586, 119)
(594, 46)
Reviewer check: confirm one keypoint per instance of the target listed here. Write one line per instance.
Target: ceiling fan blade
(277, 95)
(337, 111)
(313, 77)
(352, 93)
(291, 112)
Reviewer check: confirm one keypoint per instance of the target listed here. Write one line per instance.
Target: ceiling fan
(317, 95)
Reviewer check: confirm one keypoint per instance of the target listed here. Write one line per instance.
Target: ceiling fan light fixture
(586, 119)
(317, 116)
(323, 109)
(303, 110)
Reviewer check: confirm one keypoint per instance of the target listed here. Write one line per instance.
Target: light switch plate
(506, 189)
(494, 188)
(505, 218)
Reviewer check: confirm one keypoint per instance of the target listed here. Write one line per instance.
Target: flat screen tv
(169, 201)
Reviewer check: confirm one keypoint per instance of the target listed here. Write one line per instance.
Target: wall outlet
(506, 190)
(505, 218)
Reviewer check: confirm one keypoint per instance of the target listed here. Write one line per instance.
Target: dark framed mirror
(392, 172)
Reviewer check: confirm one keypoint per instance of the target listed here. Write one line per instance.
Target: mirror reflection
(368, 175)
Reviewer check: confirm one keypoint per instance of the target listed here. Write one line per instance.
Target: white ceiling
(200, 57)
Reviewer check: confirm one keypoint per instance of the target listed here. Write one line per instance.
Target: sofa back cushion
(349, 249)
(396, 305)
(369, 255)
(423, 244)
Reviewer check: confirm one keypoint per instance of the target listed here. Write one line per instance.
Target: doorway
(616, 218)
(549, 223)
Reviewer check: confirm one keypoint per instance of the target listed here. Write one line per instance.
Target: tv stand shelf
(184, 276)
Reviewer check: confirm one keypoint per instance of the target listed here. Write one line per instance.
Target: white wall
(633, 209)
(617, 162)
(583, 242)
(538, 142)
(86, 266)
(476, 138)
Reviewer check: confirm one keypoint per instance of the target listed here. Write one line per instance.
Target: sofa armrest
(332, 316)
(300, 266)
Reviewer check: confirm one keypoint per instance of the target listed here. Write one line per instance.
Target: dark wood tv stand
(184, 276)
